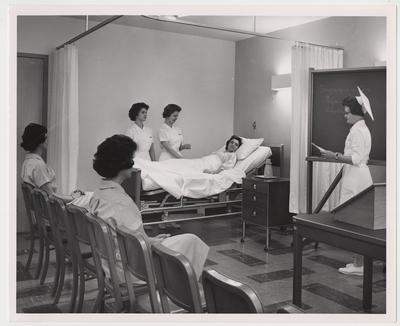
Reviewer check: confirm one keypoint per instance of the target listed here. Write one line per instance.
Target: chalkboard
(328, 126)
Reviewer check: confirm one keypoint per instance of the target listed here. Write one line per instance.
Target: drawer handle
(254, 198)
(254, 213)
(254, 186)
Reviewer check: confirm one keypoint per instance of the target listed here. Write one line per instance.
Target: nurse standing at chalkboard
(356, 175)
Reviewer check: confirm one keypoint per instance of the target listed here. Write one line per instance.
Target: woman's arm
(173, 152)
(339, 157)
(152, 153)
(49, 190)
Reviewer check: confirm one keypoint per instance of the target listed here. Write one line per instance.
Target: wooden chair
(45, 228)
(104, 255)
(224, 295)
(137, 261)
(34, 232)
(176, 280)
(81, 249)
(65, 241)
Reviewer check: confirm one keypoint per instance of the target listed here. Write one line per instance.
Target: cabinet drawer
(255, 186)
(255, 214)
(251, 198)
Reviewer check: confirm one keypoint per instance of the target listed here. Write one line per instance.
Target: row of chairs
(157, 279)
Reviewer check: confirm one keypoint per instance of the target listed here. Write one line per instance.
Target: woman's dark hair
(135, 109)
(113, 155)
(169, 109)
(34, 135)
(233, 137)
(353, 105)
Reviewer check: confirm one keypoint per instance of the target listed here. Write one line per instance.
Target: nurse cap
(364, 102)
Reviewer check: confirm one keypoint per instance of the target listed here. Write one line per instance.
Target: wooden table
(323, 228)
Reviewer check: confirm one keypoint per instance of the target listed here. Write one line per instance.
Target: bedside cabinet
(265, 203)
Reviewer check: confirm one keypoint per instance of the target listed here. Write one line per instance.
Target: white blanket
(184, 177)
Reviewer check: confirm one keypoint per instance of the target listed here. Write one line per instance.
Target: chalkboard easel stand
(310, 160)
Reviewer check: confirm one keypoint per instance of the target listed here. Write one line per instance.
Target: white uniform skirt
(192, 247)
(355, 179)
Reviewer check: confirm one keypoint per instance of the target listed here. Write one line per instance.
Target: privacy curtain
(63, 117)
(304, 57)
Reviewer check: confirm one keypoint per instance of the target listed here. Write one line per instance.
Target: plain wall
(363, 40)
(120, 65)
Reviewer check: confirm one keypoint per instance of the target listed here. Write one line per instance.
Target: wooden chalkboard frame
(313, 71)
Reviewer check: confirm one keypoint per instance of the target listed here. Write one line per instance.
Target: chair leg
(81, 293)
(40, 259)
(61, 280)
(99, 299)
(57, 274)
(31, 249)
(74, 286)
(46, 263)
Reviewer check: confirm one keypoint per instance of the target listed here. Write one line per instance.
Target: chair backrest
(133, 186)
(78, 222)
(136, 260)
(102, 243)
(224, 295)
(61, 221)
(176, 279)
(30, 212)
(42, 211)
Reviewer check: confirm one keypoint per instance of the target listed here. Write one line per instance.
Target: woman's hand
(77, 193)
(185, 146)
(328, 154)
(162, 236)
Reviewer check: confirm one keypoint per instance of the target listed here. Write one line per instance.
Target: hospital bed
(226, 203)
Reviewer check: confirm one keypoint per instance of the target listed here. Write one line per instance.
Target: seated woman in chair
(35, 171)
(113, 161)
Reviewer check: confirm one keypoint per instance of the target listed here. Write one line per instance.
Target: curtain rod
(90, 30)
(232, 30)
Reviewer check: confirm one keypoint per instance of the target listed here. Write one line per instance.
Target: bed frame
(159, 201)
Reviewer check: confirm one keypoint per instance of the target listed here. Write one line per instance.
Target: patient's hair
(169, 109)
(135, 109)
(113, 155)
(34, 135)
(233, 137)
(353, 105)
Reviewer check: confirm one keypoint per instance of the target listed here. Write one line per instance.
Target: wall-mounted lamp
(279, 82)
(380, 63)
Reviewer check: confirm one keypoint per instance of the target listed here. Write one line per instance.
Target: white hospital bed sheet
(183, 177)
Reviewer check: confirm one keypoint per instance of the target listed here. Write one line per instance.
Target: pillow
(248, 146)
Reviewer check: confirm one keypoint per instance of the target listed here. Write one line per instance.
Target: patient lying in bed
(223, 160)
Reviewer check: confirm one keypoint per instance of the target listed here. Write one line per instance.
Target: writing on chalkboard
(328, 124)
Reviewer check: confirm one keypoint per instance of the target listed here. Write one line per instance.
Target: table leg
(367, 284)
(297, 266)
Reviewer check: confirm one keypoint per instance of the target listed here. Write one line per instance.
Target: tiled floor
(269, 273)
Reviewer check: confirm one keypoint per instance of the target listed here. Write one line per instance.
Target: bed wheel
(266, 249)
(241, 240)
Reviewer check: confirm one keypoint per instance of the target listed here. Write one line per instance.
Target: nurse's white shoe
(351, 269)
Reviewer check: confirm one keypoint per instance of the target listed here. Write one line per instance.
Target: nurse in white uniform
(113, 161)
(140, 134)
(356, 175)
(171, 137)
(35, 171)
